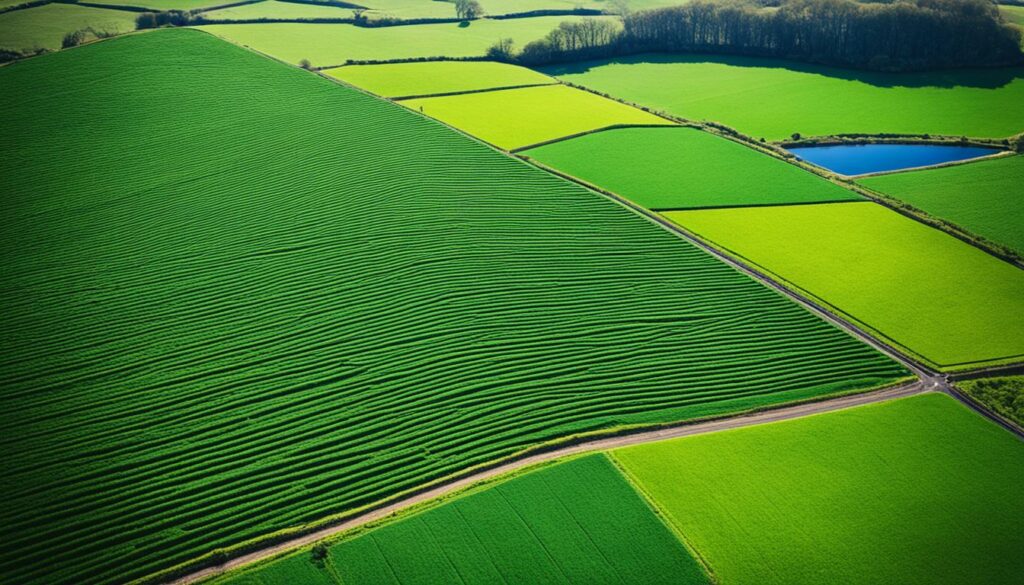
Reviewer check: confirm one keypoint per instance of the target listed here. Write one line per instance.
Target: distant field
(43, 27)
(1004, 395)
(774, 99)
(167, 4)
(409, 79)
(575, 522)
(334, 44)
(275, 9)
(673, 168)
(520, 117)
(915, 491)
(923, 289)
(982, 197)
(1014, 14)
(300, 299)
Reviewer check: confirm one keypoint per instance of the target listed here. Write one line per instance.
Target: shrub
(73, 39)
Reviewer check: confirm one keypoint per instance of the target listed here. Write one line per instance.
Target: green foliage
(915, 491)
(575, 522)
(1003, 395)
(774, 98)
(982, 197)
(299, 299)
(515, 118)
(940, 298)
(674, 168)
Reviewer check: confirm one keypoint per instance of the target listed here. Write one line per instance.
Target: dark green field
(575, 522)
(239, 297)
(681, 168)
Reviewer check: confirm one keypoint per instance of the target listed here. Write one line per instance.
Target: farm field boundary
(963, 347)
(490, 474)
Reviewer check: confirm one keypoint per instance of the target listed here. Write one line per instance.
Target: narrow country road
(600, 444)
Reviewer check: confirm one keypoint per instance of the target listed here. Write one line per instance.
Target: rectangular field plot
(772, 99)
(515, 118)
(574, 522)
(675, 168)
(434, 77)
(276, 9)
(983, 197)
(326, 45)
(301, 304)
(937, 297)
(916, 491)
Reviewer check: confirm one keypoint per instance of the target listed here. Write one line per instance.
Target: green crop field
(406, 9)
(43, 27)
(249, 297)
(515, 118)
(774, 99)
(982, 197)
(915, 491)
(275, 9)
(434, 77)
(574, 522)
(334, 44)
(675, 168)
(934, 295)
(1004, 395)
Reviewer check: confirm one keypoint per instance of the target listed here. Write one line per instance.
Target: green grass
(411, 79)
(575, 522)
(773, 98)
(981, 197)
(159, 5)
(334, 44)
(1014, 14)
(44, 27)
(275, 9)
(673, 168)
(515, 118)
(925, 290)
(248, 298)
(1003, 395)
(915, 491)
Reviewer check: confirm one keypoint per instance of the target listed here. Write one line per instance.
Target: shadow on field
(978, 78)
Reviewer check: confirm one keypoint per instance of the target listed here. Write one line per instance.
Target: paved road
(682, 430)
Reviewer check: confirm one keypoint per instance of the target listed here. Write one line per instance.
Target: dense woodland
(903, 35)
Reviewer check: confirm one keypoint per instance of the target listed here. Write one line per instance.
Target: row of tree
(901, 35)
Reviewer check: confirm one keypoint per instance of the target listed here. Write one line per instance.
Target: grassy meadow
(158, 5)
(676, 168)
(333, 44)
(44, 27)
(1014, 14)
(515, 118)
(773, 99)
(914, 491)
(276, 9)
(981, 197)
(936, 296)
(434, 77)
(301, 299)
(575, 522)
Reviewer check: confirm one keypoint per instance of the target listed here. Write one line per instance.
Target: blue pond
(857, 159)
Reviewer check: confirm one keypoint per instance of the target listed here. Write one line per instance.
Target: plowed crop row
(246, 297)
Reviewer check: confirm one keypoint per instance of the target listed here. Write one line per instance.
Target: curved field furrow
(305, 300)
